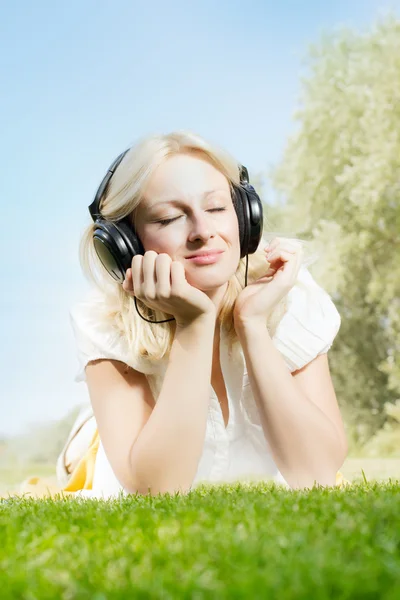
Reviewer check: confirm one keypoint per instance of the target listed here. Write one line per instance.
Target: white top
(240, 451)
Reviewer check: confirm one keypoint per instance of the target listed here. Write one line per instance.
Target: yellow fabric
(81, 478)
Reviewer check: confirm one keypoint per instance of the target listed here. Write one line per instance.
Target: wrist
(203, 320)
(248, 326)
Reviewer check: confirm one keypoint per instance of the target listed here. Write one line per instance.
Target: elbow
(152, 487)
(324, 474)
(151, 481)
(151, 477)
(306, 481)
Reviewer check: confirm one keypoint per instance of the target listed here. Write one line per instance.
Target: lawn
(255, 540)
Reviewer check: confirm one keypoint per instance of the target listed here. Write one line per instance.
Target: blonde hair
(153, 341)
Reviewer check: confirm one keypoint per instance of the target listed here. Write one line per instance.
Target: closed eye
(166, 221)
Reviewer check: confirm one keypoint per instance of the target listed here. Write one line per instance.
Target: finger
(276, 242)
(149, 274)
(128, 283)
(285, 264)
(269, 274)
(286, 247)
(280, 254)
(137, 275)
(163, 274)
(178, 277)
(287, 274)
(284, 243)
(272, 245)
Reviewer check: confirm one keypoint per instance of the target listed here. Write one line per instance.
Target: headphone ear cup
(240, 204)
(130, 237)
(256, 218)
(116, 245)
(249, 212)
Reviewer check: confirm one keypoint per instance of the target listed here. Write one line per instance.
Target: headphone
(116, 242)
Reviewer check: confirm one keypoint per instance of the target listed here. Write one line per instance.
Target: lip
(205, 253)
(206, 258)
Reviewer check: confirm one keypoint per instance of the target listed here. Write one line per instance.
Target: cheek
(231, 233)
(159, 243)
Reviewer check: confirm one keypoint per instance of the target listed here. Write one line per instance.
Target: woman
(155, 422)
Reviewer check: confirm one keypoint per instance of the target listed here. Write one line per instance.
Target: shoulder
(310, 323)
(94, 324)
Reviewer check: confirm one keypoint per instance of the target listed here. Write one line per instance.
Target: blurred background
(305, 94)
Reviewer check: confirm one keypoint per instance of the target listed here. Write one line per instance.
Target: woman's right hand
(160, 283)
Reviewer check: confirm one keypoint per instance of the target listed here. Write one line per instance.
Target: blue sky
(80, 82)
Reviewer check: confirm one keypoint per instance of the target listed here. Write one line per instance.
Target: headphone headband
(94, 207)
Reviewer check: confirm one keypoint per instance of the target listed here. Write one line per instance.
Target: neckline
(232, 381)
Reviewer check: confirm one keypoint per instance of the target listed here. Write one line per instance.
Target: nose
(202, 226)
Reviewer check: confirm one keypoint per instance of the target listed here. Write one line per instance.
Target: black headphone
(116, 243)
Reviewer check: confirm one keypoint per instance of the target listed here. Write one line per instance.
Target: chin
(209, 282)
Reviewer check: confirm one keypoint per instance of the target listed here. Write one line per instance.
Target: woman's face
(188, 189)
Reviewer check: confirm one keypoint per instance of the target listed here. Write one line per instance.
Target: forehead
(183, 177)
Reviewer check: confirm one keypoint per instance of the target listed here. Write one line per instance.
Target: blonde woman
(198, 369)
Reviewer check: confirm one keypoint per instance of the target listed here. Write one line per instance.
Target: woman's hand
(160, 283)
(256, 302)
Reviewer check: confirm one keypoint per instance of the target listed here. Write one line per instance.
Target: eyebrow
(179, 202)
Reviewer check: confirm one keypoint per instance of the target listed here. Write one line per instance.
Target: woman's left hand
(256, 302)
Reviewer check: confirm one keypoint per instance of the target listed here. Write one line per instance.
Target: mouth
(206, 259)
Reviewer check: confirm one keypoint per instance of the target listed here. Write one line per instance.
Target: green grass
(255, 540)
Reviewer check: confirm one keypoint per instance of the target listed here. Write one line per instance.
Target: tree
(339, 185)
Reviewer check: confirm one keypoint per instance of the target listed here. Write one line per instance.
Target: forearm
(167, 452)
(303, 441)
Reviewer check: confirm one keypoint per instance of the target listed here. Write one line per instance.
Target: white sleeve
(94, 334)
(309, 326)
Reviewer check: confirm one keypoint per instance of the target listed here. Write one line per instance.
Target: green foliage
(339, 186)
(228, 541)
(386, 442)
